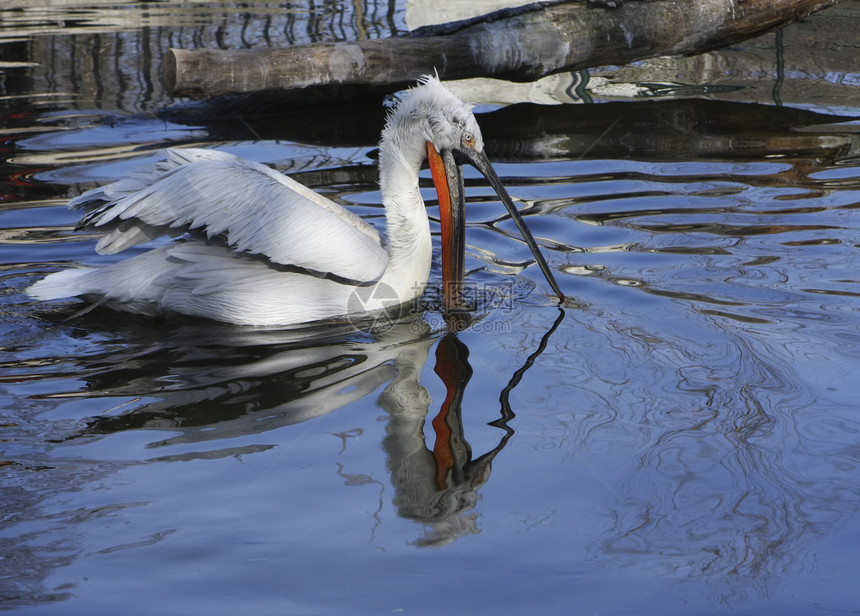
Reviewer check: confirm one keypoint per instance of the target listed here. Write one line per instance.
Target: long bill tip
(482, 164)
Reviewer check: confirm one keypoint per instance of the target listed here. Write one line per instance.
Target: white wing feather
(257, 210)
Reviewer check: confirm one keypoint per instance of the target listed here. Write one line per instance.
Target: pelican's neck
(410, 248)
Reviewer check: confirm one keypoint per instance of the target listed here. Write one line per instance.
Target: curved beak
(448, 178)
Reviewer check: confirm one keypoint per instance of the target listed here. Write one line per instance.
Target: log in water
(520, 44)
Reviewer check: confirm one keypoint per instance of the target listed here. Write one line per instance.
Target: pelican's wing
(255, 208)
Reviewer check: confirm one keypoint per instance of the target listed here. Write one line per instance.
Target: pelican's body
(263, 249)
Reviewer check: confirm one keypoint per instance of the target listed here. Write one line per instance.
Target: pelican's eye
(468, 138)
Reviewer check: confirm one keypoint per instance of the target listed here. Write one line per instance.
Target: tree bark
(521, 44)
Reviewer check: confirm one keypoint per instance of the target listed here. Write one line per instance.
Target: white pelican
(261, 249)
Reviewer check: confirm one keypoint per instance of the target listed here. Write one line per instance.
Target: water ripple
(691, 422)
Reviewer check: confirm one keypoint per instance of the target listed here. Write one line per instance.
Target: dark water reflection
(684, 440)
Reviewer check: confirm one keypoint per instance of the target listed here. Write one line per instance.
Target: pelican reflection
(238, 382)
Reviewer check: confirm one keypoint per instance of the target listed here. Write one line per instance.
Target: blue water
(681, 437)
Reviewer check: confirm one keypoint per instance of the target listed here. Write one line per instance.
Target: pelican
(258, 248)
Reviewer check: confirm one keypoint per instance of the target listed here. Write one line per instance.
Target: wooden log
(520, 44)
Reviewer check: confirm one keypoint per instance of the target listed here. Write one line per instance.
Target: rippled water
(682, 437)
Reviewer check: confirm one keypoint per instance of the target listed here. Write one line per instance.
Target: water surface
(682, 437)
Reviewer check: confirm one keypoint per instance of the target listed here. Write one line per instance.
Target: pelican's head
(431, 118)
(450, 123)
(430, 113)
